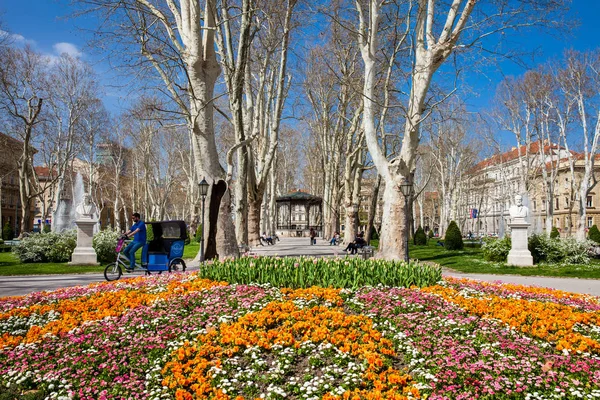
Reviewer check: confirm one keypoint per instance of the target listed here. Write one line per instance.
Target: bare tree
(580, 84)
(178, 42)
(437, 29)
(453, 153)
(266, 89)
(73, 94)
(332, 79)
(22, 95)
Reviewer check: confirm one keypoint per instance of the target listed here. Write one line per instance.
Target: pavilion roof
(300, 197)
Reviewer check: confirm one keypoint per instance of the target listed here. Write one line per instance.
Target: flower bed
(181, 336)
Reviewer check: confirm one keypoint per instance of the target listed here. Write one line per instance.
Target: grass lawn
(190, 250)
(471, 260)
(10, 264)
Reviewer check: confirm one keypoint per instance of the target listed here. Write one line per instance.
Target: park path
(291, 247)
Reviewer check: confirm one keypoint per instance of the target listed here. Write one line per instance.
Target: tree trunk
(372, 209)
(351, 228)
(394, 228)
(254, 233)
(241, 195)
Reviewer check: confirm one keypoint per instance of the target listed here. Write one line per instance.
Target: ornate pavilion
(298, 212)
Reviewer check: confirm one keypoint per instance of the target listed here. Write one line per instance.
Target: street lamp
(406, 189)
(203, 186)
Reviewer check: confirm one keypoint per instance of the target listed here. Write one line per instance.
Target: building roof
(5, 139)
(513, 154)
(299, 196)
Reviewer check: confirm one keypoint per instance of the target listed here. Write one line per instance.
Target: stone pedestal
(84, 253)
(519, 253)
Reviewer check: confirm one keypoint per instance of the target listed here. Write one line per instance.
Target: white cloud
(16, 38)
(69, 48)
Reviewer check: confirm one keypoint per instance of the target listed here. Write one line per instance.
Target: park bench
(246, 250)
(366, 252)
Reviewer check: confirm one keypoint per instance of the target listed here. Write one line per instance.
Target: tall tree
(23, 91)
(177, 40)
(266, 89)
(73, 97)
(437, 29)
(580, 84)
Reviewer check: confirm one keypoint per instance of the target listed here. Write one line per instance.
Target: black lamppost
(203, 186)
(406, 189)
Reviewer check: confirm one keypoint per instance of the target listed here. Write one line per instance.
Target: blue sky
(46, 26)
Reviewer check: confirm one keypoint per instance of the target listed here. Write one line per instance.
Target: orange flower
(284, 324)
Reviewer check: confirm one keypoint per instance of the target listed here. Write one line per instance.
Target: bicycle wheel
(113, 271)
(176, 265)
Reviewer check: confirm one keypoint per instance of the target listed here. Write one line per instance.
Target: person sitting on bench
(267, 239)
(358, 243)
(335, 240)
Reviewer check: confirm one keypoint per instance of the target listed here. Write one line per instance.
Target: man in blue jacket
(138, 231)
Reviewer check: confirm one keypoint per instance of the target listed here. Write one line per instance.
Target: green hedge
(305, 272)
(420, 238)
(594, 234)
(7, 232)
(453, 239)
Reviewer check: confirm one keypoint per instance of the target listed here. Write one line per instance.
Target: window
(556, 207)
(566, 202)
(590, 222)
(589, 202)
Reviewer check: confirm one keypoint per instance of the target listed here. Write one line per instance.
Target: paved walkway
(293, 247)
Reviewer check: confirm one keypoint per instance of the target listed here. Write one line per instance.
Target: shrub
(496, 249)
(575, 251)
(420, 239)
(430, 234)
(374, 234)
(554, 234)
(46, 247)
(559, 251)
(149, 233)
(46, 228)
(104, 243)
(594, 234)
(7, 232)
(453, 239)
(535, 246)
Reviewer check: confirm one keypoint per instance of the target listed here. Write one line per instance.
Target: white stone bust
(86, 208)
(518, 210)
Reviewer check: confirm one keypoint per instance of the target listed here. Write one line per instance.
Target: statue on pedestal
(84, 253)
(518, 210)
(86, 209)
(519, 254)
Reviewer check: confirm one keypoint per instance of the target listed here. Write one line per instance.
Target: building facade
(488, 190)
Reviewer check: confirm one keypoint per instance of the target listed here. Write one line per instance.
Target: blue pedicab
(163, 253)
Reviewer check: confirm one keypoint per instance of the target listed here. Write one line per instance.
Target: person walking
(138, 231)
(313, 234)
